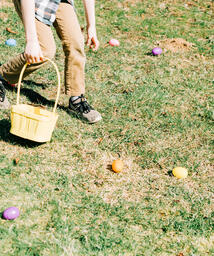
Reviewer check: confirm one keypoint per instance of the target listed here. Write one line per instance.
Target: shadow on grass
(150, 54)
(1, 216)
(109, 167)
(170, 173)
(32, 83)
(35, 97)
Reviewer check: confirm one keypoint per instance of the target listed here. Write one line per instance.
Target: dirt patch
(175, 45)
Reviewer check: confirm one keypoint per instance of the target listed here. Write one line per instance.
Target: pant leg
(69, 31)
(10, 71)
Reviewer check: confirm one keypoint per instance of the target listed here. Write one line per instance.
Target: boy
(38, 16)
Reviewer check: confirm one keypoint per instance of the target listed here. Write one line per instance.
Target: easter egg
(156, 51)
(117, 165)
(114, 42)
(11, 213)
(11, 42)
(180, 172)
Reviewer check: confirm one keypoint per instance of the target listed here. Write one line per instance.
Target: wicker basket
(30, 122)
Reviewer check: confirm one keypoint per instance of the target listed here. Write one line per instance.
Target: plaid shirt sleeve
(45, 10)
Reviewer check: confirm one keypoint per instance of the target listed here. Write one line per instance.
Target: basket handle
(58, 78)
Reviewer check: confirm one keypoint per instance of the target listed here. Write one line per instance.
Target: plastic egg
(11, 42)
(180, 172)
(114, 42)
(11, 213)
(117, 165)
(157, 51)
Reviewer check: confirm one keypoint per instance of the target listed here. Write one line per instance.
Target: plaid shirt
(45, 10)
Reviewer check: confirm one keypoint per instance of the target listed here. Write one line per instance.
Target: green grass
(157, 114)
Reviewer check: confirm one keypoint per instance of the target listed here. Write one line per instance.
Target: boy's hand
(33, 53)
(92, 40)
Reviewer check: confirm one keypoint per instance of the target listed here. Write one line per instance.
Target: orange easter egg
(117, 165)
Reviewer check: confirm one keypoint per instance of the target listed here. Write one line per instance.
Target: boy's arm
(33, 52)
(92, 40)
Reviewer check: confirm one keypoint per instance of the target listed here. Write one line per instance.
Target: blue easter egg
(11, 42)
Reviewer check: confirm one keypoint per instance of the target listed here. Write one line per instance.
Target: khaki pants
(69, 32)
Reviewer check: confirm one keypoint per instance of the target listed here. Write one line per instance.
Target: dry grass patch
(204, 245)
(175, 45)
(186, 61)
(127, 185)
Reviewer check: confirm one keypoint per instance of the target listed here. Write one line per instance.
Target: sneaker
(4, 103)
(81, 108)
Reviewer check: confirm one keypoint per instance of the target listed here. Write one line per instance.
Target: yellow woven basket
(33, 123)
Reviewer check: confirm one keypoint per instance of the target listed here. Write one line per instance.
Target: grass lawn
(158, 113)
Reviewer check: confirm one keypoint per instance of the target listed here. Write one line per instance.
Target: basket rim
(47, 116)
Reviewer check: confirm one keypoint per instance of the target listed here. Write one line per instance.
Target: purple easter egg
(11, 213)
(156, 51)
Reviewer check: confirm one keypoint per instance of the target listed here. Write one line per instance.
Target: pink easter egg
(114, 42)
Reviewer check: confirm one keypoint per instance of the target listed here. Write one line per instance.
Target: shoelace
(82, 106)
(2, 92)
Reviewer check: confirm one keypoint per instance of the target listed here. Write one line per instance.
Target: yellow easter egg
(180, 172)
